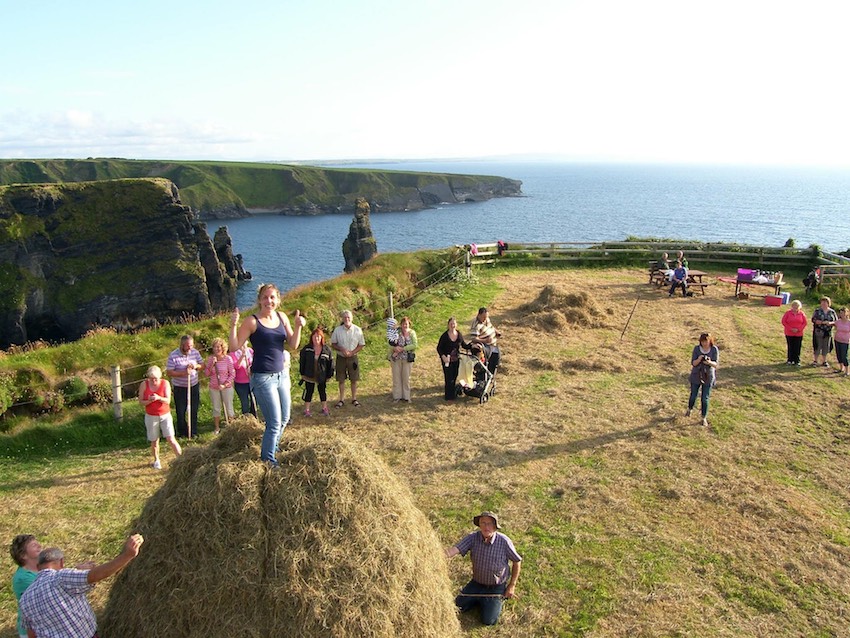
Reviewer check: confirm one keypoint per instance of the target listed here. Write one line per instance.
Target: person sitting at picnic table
(679, 278)
(663, 263)
(681, 257)
(490, 551)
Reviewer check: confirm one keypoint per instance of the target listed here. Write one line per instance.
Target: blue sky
(604, 80)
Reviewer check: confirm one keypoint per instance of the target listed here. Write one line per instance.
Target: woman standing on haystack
(269, 331)
(704, 361)
(448, 348)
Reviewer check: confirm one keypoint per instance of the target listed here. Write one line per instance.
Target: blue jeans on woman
(272, 392)
(706, 392)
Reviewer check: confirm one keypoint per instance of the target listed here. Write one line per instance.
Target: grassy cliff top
(208, 185)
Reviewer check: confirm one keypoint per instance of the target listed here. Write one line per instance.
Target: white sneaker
(157, 465)
(705, 422)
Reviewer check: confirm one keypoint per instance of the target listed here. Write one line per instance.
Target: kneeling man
(492, 578)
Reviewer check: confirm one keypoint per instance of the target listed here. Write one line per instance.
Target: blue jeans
(271, 390)
(243, 391)
(706, 392)
(491, 607)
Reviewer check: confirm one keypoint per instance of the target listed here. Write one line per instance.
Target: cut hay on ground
(330, 544)
(555, 309)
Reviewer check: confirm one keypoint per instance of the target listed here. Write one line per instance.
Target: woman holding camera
(704, 361)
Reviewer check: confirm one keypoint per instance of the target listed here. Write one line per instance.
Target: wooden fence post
(468, 262)
(117, 410)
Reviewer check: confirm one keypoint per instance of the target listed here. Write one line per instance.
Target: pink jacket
(795, 323)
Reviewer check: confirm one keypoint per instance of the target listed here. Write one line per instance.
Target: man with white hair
(347, 339)
(55, 605)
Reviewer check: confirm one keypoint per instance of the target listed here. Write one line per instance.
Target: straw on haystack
(330, 544)
(554, 309)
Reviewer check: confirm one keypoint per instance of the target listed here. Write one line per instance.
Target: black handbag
(411, 357)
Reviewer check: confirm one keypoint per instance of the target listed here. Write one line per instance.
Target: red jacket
(795, 323)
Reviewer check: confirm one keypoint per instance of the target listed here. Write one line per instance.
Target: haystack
(555, 309)
(330, 544)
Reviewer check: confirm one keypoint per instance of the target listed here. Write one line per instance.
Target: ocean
(566, 202)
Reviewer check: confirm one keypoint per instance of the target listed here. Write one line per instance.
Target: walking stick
(189, 403)
(220, 392)
(630, 318)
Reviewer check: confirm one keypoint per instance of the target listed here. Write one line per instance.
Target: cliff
(113, 253)
(220, 190)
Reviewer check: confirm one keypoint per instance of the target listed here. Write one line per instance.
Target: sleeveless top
(157, 408)
(268, 347)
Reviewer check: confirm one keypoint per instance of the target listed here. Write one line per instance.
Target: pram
(476, 375)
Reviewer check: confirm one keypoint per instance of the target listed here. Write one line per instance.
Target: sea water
(566, 203)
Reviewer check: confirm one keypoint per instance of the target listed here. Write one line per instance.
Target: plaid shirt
(489, 560)
(55, 605)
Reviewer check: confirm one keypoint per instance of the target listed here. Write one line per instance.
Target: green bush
(100, 393)
(74, 390)
(49, 402)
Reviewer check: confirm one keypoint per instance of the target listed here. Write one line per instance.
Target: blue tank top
(268, 347)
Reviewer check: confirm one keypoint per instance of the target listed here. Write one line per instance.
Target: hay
(329, 545)
(555, 310)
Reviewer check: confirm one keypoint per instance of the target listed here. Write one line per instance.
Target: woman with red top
(219, 368)
(155, 396)
(794, 321)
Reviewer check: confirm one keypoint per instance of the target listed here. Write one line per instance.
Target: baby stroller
(476, 377)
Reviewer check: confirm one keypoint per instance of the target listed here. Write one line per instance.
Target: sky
(722, 82)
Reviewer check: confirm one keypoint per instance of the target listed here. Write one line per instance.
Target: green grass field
(632, 519)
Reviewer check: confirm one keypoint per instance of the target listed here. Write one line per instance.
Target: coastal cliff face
(222, 190)
(114, 253)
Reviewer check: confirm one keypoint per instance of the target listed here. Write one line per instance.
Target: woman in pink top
(842, 340)
(222, 374)
(794, 322)
(242, 360)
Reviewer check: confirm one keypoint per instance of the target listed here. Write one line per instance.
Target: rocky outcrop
(120, 253)
(360, 246)
(224, 250)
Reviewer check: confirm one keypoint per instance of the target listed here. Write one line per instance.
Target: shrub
(74, 390)
(100, 392)
(49, 402)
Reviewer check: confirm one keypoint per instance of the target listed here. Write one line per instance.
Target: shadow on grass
(86, 433)
(505, 459)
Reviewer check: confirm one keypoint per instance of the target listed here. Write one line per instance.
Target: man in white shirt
(347, 339)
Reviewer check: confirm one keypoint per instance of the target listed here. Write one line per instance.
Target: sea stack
(359, 247)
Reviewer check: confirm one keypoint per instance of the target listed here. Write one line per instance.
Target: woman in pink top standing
(220, 370)
(842, 340)
(242, 360)
(794, 321)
